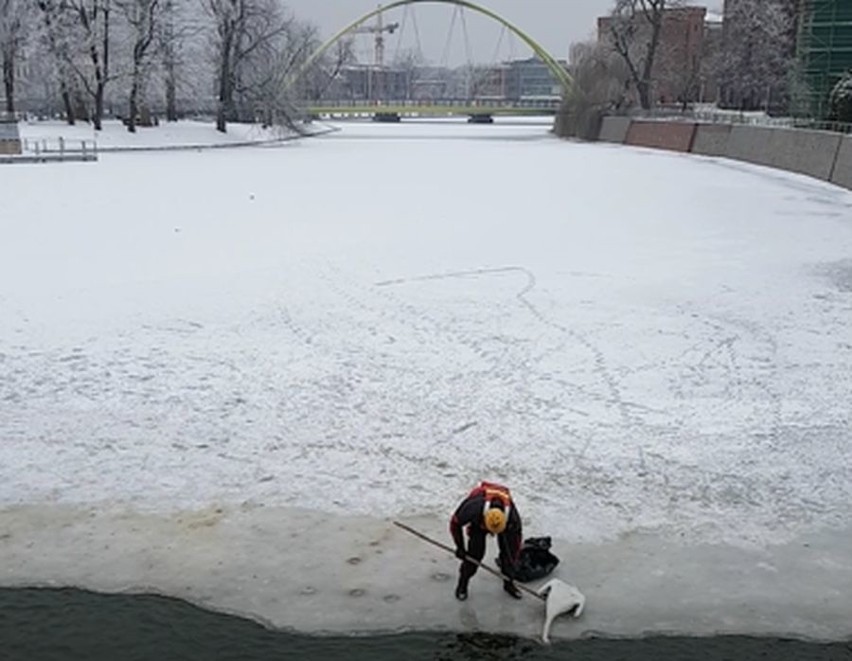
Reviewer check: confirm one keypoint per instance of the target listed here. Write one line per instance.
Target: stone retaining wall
(673, 136)
(821, 154)
(842, 173)
(711, 139)
(614, 129)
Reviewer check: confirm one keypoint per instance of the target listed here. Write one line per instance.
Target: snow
(167, 135)
(366, 323)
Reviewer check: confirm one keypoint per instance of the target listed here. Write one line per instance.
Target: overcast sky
(553, 23)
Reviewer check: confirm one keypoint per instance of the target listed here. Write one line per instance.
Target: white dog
(561, 598)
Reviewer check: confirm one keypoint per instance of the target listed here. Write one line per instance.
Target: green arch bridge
(474, 107)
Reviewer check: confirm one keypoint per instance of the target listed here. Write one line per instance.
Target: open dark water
(70, 625)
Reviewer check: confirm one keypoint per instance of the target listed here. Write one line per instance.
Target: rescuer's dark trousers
(476, 550)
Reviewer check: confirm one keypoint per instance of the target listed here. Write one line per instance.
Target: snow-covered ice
(653, 350)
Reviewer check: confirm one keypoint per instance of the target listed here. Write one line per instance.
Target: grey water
(69, 624)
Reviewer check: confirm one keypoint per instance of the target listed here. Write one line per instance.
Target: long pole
(469, 559)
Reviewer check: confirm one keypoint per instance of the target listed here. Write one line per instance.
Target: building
(824, 47)
(532, 79)
(370, 83)
(676, 75)
(517, 80)
(708, 91)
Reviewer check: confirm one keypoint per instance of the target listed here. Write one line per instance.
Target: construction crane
(378, 29)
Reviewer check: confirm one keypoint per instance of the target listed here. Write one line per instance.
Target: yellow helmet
(495, 521)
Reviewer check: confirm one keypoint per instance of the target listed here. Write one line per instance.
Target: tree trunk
(643, 88)
(97, 119)
(70, 115)
(133, 105)
(225, 91)
(101, 68)
(221, 122)
(169, 46)
(646, 87)
(171, 96)
(9, 82)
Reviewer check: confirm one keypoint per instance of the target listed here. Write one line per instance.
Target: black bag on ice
(536, 560)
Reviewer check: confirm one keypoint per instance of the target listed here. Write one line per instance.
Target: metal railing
(61, 149)
(740, 118)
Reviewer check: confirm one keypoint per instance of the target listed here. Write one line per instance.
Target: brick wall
(672, 136)
(10, 147)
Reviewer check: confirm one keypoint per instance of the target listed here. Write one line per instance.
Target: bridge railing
(547, 104)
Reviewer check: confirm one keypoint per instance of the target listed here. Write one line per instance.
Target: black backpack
(536, 561)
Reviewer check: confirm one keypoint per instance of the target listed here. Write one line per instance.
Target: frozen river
(227, 363)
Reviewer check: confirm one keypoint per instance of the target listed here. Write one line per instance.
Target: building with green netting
(825, 47)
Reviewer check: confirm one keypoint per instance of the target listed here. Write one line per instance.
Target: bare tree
(242, 29)
(634, 30)
(14, 26)
(294, 46)
(757, 54)
(228, 17)
(177, 28)
(410, 61)
(142, 17)
(677, 70)
(56, 35)
(324, 74)
(93, 23)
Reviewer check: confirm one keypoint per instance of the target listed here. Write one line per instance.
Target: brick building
(676, 76)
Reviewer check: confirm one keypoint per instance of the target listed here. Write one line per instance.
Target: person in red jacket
(487, 510)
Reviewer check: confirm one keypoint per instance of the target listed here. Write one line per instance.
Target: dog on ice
(561, 598)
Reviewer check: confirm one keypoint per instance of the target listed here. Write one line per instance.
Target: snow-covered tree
(179, 33)
(262, 82)
(840, 100)
(142, 18)
(55, 33)
(90, 56)
(242, 30)
(92, 36)
(15, 23)
(757, 54)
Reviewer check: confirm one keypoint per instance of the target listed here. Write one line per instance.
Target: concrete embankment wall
(842, 174)
(677, 136)
(711, 139)
(820, 154)
(614, 129)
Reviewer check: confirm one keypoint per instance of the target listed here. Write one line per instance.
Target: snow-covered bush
(841, 99)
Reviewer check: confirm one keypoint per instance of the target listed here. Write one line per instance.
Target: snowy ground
(115, 137)
(643, 345)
